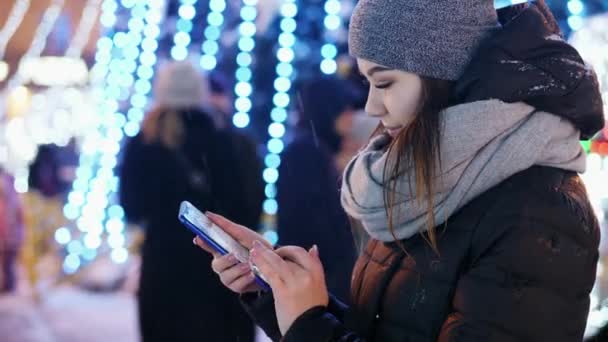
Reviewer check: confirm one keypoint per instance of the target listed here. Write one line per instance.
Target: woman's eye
(384, 85)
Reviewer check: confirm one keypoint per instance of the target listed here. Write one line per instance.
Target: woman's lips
(393, 131)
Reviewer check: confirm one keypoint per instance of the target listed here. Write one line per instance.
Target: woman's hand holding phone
(235, 275)
(296, 275)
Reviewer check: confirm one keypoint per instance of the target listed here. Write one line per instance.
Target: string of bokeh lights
(146, 24)
(282, 84)
(87, 161)
(332, 22)
(181, 38)
(210, 46)
(246, 43)
(96, 183)
(94, 177)
(576, 10)
(145, 71)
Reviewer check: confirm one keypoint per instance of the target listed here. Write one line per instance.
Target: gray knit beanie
(432, 38)
(180, 85)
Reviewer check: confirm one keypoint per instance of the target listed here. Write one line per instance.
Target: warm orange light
(18, 102)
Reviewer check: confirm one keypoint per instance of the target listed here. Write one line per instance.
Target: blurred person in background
(11, 232)
(181, 155)
(43, 214)
(355, 128)
(307, 189)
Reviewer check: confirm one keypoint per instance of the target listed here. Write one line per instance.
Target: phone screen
(202, 223)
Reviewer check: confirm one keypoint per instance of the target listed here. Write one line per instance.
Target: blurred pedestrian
(307, 190)
(180, 155)
(355, 129)
(43, 214)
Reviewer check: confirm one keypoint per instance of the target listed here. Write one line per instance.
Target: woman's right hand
(235, 275)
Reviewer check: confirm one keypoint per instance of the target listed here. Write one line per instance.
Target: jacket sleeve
(529, 279)
(317, 324)
(320, 324)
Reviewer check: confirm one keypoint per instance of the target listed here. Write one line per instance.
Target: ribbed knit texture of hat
(432, 38)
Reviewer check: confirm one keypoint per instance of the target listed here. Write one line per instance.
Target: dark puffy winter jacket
(527, 60)
(515, 264)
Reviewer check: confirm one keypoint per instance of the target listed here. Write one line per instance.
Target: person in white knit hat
(181, 155)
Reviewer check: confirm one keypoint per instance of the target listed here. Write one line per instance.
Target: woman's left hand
(296, 277)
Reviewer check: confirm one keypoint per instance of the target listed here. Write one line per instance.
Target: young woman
(480, 228)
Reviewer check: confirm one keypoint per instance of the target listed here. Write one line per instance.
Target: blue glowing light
(271, 236)
(270, 206)
(241, 120)
(63, 235)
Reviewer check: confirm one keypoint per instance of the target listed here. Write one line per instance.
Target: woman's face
(393, 97)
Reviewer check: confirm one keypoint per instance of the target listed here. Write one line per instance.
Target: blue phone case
(192, 227)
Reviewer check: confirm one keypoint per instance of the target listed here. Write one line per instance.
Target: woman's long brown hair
(417, 149)
(163, 126)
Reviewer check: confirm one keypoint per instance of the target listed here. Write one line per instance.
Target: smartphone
(217, 238)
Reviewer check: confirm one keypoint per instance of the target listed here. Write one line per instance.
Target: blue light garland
(281, 99)
(329, 51)
(116, 62)
(244, 88)
(181, 38)
(115, 225)
(576, 10)
(210, 45)
(78, 197)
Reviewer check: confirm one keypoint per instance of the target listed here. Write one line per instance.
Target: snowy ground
(21, 321)
(69, 314)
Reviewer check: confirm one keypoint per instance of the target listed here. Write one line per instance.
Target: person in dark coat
(500, 243)
(180, 155)
(307, 190)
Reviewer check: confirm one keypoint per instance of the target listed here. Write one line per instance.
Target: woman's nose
(374, 106)
(374, 110)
